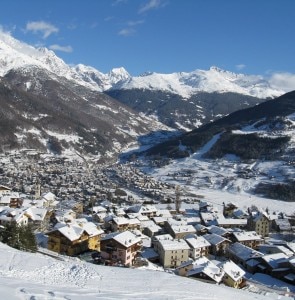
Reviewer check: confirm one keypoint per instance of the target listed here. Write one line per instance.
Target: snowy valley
(147, 172)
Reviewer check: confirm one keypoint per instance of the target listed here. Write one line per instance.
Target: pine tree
(28, 239)
(19, 237)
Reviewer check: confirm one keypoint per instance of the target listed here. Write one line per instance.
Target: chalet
(159, 220)
(49, 200)
(276, 265)
(208, 218)
(12, 200)
(65, 215)
(119, 224)
(165, 213)
(199, 246)
(233, 274)
(201, 229)
(205, 270)
(245, 256)
(134, 224)
(74, 238)
(39, 218)
(248, 238)
(4, 190)
(152, 230)
(240, 214)
(219, 244)
(273, 249)
(8, 215)
(220, 231)
(145, 210)
(120, 248)
(230, 222)
(281, 225)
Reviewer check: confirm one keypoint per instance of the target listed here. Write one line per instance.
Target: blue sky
(164, 36)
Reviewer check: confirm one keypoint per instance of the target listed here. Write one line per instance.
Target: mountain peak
(16, 54)
(217, 69)
(119, 72)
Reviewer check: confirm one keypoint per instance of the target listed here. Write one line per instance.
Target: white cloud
(67, 49)
(240, 67)
(284, 81)
(117, 2)
(152, 4)
(45, 28)
(127, 32)
(135, 23)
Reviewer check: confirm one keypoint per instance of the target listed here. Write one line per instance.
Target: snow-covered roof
(121, 220)
(143, 209)
(204, 265)
(99, 208)
(36, 213)
(232, 270)
(243, 252)
(197, 242)
(165, 213)
(126, 238)
(214, 239)
(71, 232)
(230, 221)
(274, 260)
(183, 229)
(163, 237)
(178, 244)
(49, 196)
(92, 229)
(242, 236)
(218, 230)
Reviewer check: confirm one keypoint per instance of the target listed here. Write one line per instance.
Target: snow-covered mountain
(16, 54)
(212, 80)
(49, 106)
(41, 88)
(251, 151)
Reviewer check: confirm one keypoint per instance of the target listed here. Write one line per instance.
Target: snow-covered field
(228, 179)
(38, 277)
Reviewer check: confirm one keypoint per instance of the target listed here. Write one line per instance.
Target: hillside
(183, 113)
(250, 151)
(265, 117)
(34, 276)
(46, 112)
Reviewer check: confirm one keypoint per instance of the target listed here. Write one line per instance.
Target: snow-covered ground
(35, 276)
(228, 179)
(218, 182)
